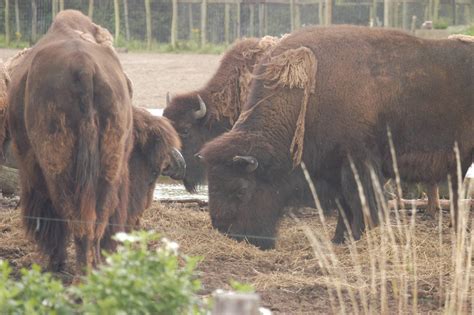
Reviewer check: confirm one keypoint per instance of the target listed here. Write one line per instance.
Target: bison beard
(71, 127)
(421, 90)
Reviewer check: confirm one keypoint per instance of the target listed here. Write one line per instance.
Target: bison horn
(177, 168)
(201, 112)
(252, 163)
(168, 99)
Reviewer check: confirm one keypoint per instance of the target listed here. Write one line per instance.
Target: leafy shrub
(33, 293)
(440, 24)
(134, 280)
(137, 280)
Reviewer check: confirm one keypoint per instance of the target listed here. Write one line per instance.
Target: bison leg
(341, 227)
(83, 254)
(433, 200)
(46, 227)
(361, 214)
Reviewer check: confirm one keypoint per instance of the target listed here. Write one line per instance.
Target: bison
(70, 119)
(202, 115)
(155, 152)
(329, 97)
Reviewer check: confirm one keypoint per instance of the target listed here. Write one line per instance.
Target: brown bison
(155, 152)
(328, 96)
(202, 115)
(70, 119)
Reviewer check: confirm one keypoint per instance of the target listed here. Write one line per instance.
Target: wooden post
(190, 17)
(252, 20)
(174, 24)
(125, 16)
(261, 16)
(329, 4)
(436, 10)
(405, 15)
(374, 12)
(386, 13)
(226, 22)
(453, 4)
(203, 22)
(61, 5)
(265, 18)
(321, 12)
(17, 21)
(297, 16)
(54, 8)
(292, 15)
(236, 304)
(117, 20)
(90, 12)
(148, 24)
(413, 24)
(238, 19)
(34, 21)
(7, 22)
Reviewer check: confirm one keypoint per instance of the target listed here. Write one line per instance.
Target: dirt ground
(153, 75)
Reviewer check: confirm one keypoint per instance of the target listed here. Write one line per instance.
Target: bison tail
(87, 157)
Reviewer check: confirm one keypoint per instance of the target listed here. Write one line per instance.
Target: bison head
(190, 117)
(155, 152)
(246, 192)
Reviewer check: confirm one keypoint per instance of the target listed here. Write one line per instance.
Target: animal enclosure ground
(289, 279)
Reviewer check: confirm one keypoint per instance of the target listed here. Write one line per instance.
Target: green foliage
(441, 24)
(35, 293)
(17, 43)
(241, 287)
(135, 280)
(190, 46)
(470, 31)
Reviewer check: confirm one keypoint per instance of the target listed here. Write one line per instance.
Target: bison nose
(177, 167)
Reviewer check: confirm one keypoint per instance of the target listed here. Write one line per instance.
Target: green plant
(440, 24)
(34, 293)
(139, 280)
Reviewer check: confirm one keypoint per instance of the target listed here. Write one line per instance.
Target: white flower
(170, 246)
(125, 237)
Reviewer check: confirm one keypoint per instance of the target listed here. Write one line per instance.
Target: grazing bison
(202, 115)
(155, 152)
(70, 119)
(315, 100)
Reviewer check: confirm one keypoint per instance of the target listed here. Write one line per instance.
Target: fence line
(198, 22)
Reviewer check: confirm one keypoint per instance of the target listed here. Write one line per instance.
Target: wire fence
(222, 21)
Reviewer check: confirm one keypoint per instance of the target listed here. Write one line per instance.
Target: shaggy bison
(155, 152)
(70, 119)
(202, 115)
(328, 96)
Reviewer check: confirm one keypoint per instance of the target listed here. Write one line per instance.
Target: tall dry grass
(395, 264)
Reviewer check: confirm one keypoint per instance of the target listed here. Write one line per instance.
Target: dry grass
(406, 265)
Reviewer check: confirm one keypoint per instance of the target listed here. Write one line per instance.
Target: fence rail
(221, 21)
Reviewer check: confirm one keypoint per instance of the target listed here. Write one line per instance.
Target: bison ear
(249, 162)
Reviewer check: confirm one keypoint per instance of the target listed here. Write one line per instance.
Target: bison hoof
(56, 266)
(338, 239)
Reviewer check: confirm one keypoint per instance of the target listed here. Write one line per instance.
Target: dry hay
(296, 277)
(462, 37)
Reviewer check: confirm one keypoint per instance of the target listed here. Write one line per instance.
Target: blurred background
(208, 25)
